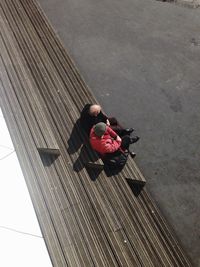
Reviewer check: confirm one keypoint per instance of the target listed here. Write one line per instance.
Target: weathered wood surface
(87, 218)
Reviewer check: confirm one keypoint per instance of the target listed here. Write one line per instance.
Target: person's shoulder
(109, 130)
(85, 117)
(86, 108)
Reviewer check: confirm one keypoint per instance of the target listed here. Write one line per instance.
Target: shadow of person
(93, 173)
(111, 171)
(76, 138)
(87, 155)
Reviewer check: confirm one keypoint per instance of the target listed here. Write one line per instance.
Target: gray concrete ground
(188, 3)
(141, 59)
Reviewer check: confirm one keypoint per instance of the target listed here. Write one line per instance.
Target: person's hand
(118, 139)
(107, 122)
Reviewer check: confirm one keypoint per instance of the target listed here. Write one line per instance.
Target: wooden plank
(51, 147)
(166, 234)
(146, 232)
(23, 81)
(65, 64)
(131, 225)
(79, 209)
(38, 200)
(40, 174)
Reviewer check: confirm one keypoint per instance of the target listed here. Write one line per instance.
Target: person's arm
(105, 118)
(107, 122)
(112, 133)
(111, 147)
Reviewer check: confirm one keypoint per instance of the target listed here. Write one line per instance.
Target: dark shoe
(132, 154)
(128, 130)
(134, 139)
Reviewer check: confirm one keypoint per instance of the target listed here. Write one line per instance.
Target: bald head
(94, 110)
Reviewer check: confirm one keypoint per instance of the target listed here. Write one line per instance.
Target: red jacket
(106, 143)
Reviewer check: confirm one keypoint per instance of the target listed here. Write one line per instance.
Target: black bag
(116, 160)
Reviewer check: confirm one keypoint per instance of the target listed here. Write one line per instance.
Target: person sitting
(110, 146)
(92, 114)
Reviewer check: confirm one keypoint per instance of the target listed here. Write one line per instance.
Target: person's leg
(126, 141)
(113, 121)
(116, 127)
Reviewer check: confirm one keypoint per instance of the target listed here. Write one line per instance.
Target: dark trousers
(126, 141)
(116, 127)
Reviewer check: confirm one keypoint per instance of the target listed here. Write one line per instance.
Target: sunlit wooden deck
(86, 217)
